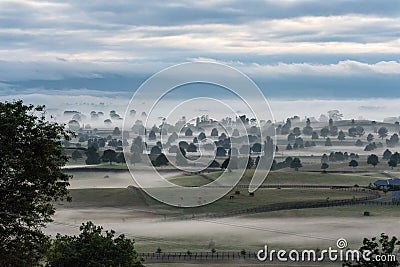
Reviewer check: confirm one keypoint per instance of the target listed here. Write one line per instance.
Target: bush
(92, 248)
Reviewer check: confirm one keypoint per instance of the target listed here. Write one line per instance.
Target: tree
(31, 180)
(221, 152)
(214, 132)
(308, 130)
(181, 158)
(392, 163)
(225, 164)
(314, 135)
(202, 136)
(387, 154)
(341, 136)
(324, 132)
(92, 155)
(73, 125)
(359, 143)
(137, 150)
(136, 157)
(324, 166)
(289, 147)
(352, 132)
(382, 247)
(92, 247)
(231, 162)
(256, 148)
(291, 137)
(360, 131)
(383, 132)
(353, 163)
(324, 159)
(370, 138)
(393, 141)
(192, 148)
(76, 155)
(121, 158)
(188, 132)
(155, 150)
(152, 135)
(296, 131)
(161, 160)
(334, 131)
(250, 163)
(109, 155)
(373, 160)
(116, 131)
(328, 142)
(296, 164)
(214, 164)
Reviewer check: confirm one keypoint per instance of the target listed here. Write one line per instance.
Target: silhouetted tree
(324, 132)
(328, 142)
(161, 160)
(92, 247)
(155, 150)
(188, 132)
(359, 143)
(324, 167)
(296, 131)
(221, 152)
(370, 138)
(192, 148)
(376, 248)
(387, 154)
(214, 132)
(76, 154)
(373, 160)
(202, 136)
(152, 135)
(92, 155)
(341, 136)
(116, 131)
(256, 148)
(109, 155)
(353, 163)
(296, 164)
(31, 180)
(383, 132)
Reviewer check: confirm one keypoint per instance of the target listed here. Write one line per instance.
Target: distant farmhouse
(388, 184)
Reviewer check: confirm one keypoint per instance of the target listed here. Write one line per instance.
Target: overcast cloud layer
(292, 49)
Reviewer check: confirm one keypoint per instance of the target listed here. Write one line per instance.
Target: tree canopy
(31, 180)
(93, 247)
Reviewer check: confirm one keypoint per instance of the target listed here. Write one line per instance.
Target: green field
(356, 211)
(132, 198)
(286, 177)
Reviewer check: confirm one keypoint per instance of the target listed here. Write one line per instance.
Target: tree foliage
(384, 246)
(30, 180)
(92, 247)
(373, 160)
(296, 164)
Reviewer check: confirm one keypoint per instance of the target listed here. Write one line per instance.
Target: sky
(305, 49)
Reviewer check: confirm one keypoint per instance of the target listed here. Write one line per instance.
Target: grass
(105, 197)
(356, 211)
(285, 177)
(127, 197)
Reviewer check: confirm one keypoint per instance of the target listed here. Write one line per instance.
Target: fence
(197, 256)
